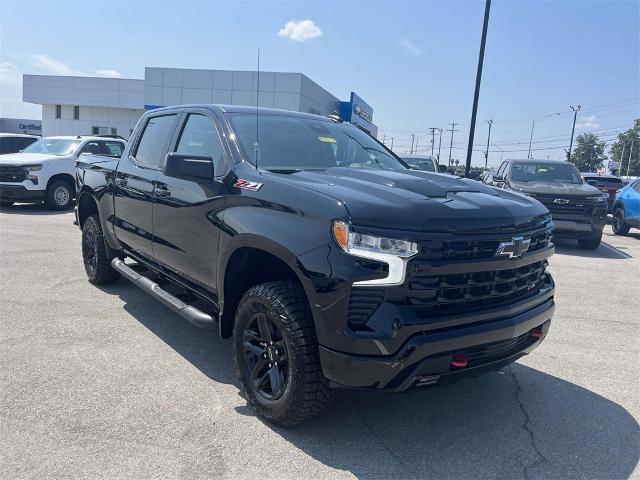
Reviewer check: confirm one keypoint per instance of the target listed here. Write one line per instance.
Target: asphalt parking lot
(107, 383)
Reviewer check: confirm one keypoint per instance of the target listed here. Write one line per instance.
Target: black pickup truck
(329, 261)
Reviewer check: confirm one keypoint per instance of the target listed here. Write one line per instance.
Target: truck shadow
(570, 247)
(32, 209)
(518, 423)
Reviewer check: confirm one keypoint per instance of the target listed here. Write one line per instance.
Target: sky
(413, 62)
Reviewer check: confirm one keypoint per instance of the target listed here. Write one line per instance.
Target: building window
(76, 113)
(95, 130)
(58, 111)
(114, 131)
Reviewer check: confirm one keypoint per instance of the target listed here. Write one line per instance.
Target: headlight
(600, 198)
(32, 168)
(392, 251)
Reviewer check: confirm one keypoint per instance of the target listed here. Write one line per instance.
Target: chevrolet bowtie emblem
(513, 249)
(561, 201)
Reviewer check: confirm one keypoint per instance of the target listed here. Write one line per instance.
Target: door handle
(162, 191)
(121, 182)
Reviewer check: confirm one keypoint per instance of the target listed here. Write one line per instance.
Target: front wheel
(59, 195)
(276, 354)
(97, 261)
(618, 225)
(590, 243)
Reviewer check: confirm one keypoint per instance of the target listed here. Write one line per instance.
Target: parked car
(579, 210)
(329, 261)
(626, 209)
(45, 170)
(607, 184)
(15, 142)
(426, 163)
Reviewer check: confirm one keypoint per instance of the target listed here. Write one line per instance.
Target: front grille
(478, 247)
(10, 173)
(573, 205)
(430, 296)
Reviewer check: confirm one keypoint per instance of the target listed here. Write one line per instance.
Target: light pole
(439, 144)
(573, 128)
(533, 124)
(486, 154)
(413, 139)
(476, 94)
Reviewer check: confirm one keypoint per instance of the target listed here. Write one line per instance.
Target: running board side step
(188, 312)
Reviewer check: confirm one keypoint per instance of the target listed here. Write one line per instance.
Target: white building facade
(91, 105)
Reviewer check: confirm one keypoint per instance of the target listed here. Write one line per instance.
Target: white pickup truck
(45, 170)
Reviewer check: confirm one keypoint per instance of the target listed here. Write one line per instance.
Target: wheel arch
(87, 206)
(252, 261)
(64, 177)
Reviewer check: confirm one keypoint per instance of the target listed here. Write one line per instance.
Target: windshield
(424, 164)
(545, 172)
(53, 146)
(295, 143)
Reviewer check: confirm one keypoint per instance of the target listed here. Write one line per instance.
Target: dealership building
(93, 105)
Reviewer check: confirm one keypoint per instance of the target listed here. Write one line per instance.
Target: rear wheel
(618, 225)
(97, 260)
(590, 243)
(59, 195)
(276, 354)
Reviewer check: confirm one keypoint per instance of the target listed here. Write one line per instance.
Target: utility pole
(621, 159)
(452, 129)
(476, 94)
(533, 124)
(433, 139)
(573, 128)
(439, 144)
(392, 144)
(629, 161)
(486, 154)
(413, 139)
(384, 137)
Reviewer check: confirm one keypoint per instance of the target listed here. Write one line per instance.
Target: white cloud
(51, 66)
(11, 104)
(109, 73)
(300, 30)
(410, 46)
(590, 121)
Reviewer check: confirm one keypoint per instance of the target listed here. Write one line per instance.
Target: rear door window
(155, 137)
(114, 149)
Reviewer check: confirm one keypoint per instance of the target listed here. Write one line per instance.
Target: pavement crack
(527, 428)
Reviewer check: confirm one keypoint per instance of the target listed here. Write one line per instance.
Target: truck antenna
(256, 146)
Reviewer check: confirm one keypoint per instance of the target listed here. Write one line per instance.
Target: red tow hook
(537, 332)
(459, 361)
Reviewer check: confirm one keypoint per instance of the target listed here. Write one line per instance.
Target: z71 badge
(247, 185)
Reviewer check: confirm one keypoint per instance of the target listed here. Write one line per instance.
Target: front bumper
(577, 226)
(18, 193)
(426, 359)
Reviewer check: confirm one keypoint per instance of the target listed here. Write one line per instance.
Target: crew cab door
(134, 183)
(187, 213)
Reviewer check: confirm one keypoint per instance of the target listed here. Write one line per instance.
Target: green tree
(624, 142)
(589, 154)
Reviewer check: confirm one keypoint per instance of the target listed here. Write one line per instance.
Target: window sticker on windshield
(327, 139)
(542, 170)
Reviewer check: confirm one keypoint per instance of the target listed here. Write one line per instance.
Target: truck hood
(554, 188)
(420, 201)
(27, 158)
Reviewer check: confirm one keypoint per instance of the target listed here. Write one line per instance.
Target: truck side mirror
(498, 178)
(189, 166)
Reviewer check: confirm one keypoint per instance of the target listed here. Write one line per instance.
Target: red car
(608, 184)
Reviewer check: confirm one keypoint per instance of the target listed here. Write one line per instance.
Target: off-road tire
(618, 225)
(52, 200)
(99, 271)
(306, 393)
(589, 243)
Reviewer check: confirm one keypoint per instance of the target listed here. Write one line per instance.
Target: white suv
(45, 170)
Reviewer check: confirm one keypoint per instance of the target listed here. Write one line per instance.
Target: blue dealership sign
(358, 112)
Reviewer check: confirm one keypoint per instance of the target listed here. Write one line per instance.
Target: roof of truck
(246, 109)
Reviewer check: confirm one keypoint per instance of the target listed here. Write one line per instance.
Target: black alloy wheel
(618, 225)
(89, 250)
(265, 352)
